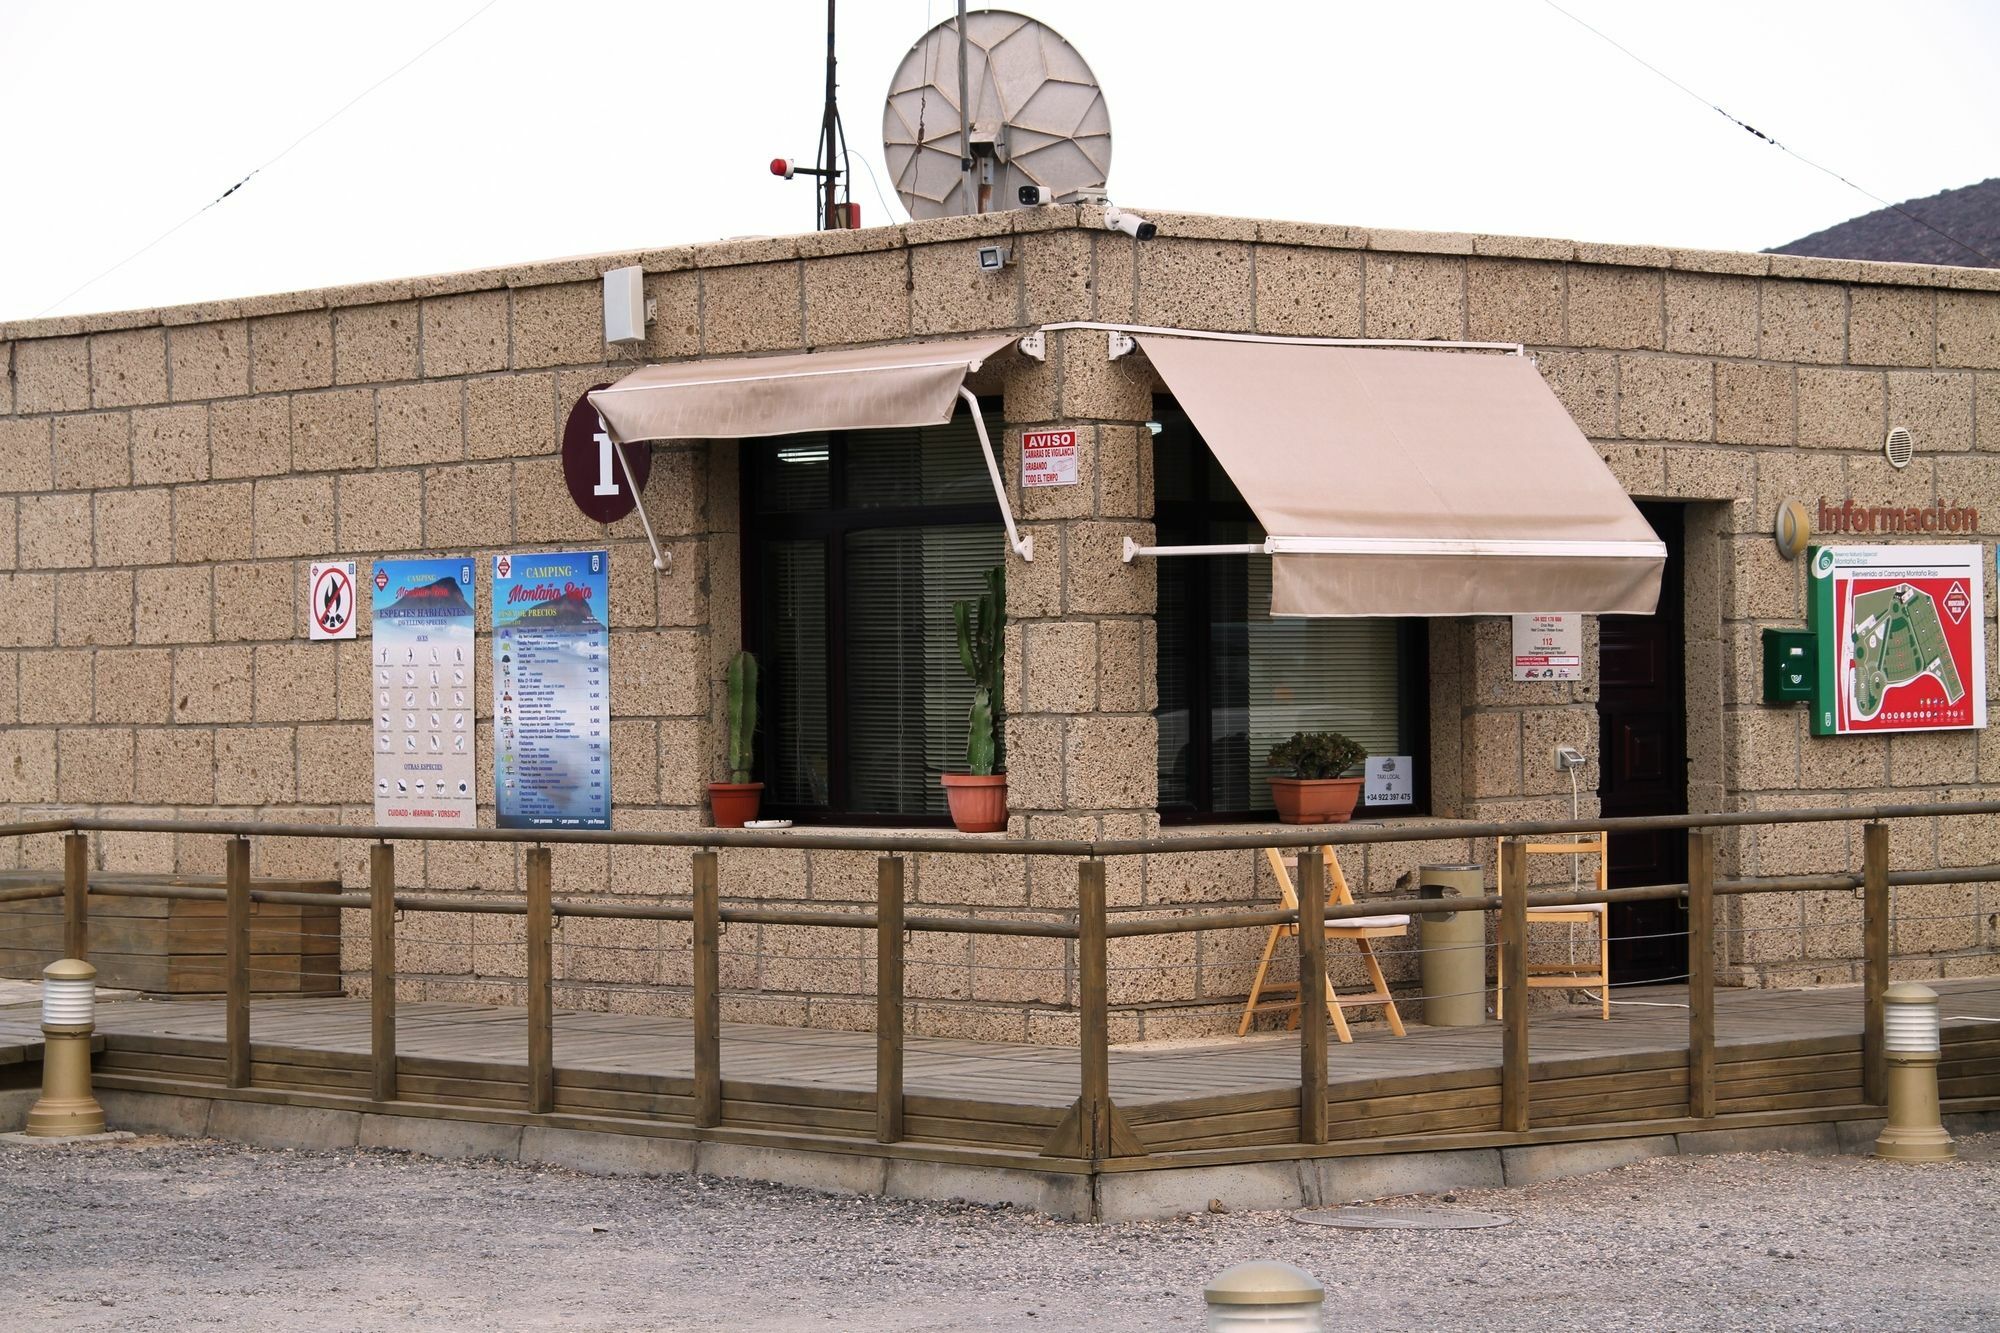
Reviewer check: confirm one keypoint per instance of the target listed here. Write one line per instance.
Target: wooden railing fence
(1098, 1132)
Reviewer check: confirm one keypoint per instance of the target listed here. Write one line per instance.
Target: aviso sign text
(1048, 458)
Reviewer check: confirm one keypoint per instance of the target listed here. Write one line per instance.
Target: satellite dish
(1037, 117)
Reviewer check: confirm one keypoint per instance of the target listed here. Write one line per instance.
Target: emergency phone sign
(1048, 458)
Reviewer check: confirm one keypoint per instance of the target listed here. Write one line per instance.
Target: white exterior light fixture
(69, 1009)
(1915, 1132)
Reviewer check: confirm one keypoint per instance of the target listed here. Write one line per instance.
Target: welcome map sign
(425, 724)
(1901, 638)
(552, 690)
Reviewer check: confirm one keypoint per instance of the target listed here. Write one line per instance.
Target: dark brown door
(1642, 725)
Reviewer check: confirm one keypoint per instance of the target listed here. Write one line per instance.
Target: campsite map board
(1901, 638)
(552, 690)
(425, 722)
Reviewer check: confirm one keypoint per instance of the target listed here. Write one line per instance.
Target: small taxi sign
(1388, 780)
(1048, 458)
(330, 604)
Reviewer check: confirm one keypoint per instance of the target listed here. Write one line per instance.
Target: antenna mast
(836, 210)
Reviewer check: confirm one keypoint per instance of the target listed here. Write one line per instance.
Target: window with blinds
(1235, 680)
(856, 545)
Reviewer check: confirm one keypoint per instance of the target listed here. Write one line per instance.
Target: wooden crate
(177, 946)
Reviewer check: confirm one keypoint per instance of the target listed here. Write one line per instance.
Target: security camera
(993, 258)
(1030, 195)
(1130, 223)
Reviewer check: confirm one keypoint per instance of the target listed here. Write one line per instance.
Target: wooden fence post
(1514, 985)
(1875, 955)
(382, 969)
(76, 896)
(707, 991)
(1312, 996)
(1701, 973)
(541, 982)
(889, 999)
(236, 997)
(1093, 1002)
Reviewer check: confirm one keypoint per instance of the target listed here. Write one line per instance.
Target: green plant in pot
(978, 799)
(1315, 792)
(734, 803)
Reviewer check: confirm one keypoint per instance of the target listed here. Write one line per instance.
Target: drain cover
(1400, 1219)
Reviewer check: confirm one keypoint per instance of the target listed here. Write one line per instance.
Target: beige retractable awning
(850, 388)
(1413, 483)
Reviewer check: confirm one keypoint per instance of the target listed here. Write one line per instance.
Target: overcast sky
(541, 130)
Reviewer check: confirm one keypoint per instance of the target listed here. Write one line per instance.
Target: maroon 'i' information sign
(590, 464)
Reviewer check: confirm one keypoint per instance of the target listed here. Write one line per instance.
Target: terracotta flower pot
(1315, 800)
(978, 801)
(734, 804)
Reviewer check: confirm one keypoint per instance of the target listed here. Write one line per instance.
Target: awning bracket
(1022, 546)
(1122, 339)
(1035, 345)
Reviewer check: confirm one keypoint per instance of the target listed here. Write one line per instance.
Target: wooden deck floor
(1778, 1050)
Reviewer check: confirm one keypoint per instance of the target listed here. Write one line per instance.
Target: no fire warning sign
(330, 606)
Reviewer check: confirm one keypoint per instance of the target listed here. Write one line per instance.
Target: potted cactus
(733, 804)
(1316, 793)
(978, 799)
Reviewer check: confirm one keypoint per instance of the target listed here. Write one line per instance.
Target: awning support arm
(1133, 550)
(638, 501)
(1417, 546)
(1023, 546)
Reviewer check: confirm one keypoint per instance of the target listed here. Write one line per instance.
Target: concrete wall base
(1114, 1196)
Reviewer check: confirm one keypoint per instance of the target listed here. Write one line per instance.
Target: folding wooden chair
(1571, 975)
(1359, 929)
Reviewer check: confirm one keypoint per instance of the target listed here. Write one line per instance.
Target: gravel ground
(164, 1234)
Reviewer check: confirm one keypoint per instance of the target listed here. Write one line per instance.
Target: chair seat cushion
(1368, 923)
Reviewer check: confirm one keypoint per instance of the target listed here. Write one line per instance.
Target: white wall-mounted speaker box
(625, 305)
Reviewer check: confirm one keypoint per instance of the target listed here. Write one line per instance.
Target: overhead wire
(272, 161)
(1760, 134)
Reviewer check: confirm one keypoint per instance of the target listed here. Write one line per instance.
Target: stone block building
(169, 474)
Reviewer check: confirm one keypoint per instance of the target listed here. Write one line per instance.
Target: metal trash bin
(1454, 948)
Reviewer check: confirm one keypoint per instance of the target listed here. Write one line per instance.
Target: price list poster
(552, 690)
(425, 722)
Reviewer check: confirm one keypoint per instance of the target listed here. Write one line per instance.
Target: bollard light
(69, 1003)
(1264, 1296)
(1915, 1132)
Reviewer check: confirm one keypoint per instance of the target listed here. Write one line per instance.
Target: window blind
(907, 694)
(864, 539)
(794, 739)
(1233, 679)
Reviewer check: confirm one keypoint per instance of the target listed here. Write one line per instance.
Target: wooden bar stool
(1359, 929)
(1571, 975)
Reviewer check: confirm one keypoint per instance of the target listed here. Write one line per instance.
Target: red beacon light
(782, 167)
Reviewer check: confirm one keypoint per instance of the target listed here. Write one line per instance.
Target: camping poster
(552, 690)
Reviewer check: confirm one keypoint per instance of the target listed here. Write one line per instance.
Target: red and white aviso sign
(1048, 458)
(330, 603)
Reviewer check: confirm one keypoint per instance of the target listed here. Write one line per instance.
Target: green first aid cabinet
(1788, 666)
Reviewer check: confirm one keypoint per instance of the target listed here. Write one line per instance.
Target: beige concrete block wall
(166, 476)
